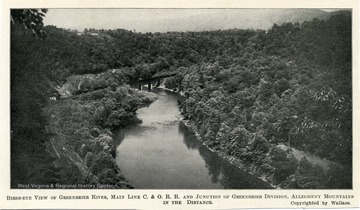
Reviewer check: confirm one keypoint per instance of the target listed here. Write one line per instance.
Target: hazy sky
(113, 18)
(130, 19)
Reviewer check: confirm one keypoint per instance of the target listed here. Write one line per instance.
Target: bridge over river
(155, 79)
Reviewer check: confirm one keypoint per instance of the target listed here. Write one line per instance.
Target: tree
(31, 19)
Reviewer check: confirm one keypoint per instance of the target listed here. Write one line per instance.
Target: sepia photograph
(181, 98)
(129, 100)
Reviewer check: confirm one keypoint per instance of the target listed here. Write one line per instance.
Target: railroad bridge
(155, 79)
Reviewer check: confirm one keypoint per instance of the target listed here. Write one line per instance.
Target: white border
(156, 204)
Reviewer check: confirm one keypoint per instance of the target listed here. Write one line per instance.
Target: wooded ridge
(246, 92)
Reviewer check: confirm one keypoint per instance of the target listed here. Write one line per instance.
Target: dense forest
(247, 93)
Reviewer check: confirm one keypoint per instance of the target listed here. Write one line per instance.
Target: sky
(114, 18)
(129, 19)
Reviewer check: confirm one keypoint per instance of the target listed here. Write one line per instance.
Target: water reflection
(220, 171)
(162, 153)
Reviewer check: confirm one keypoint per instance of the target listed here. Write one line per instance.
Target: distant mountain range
(153, 20)
(234, 18)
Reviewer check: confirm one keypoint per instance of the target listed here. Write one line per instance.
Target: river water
(162, 153)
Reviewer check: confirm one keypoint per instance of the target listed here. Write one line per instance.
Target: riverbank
(162, 153)
(302, 171)
(232, 160)
(81, 128)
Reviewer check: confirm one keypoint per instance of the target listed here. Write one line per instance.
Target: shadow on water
(221, 171)
(171, 156)
(119, 137)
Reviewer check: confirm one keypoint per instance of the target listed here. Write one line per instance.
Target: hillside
(246, 93)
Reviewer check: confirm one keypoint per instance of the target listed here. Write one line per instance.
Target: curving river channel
(161, 153)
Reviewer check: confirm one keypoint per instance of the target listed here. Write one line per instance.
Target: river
(162, 153)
